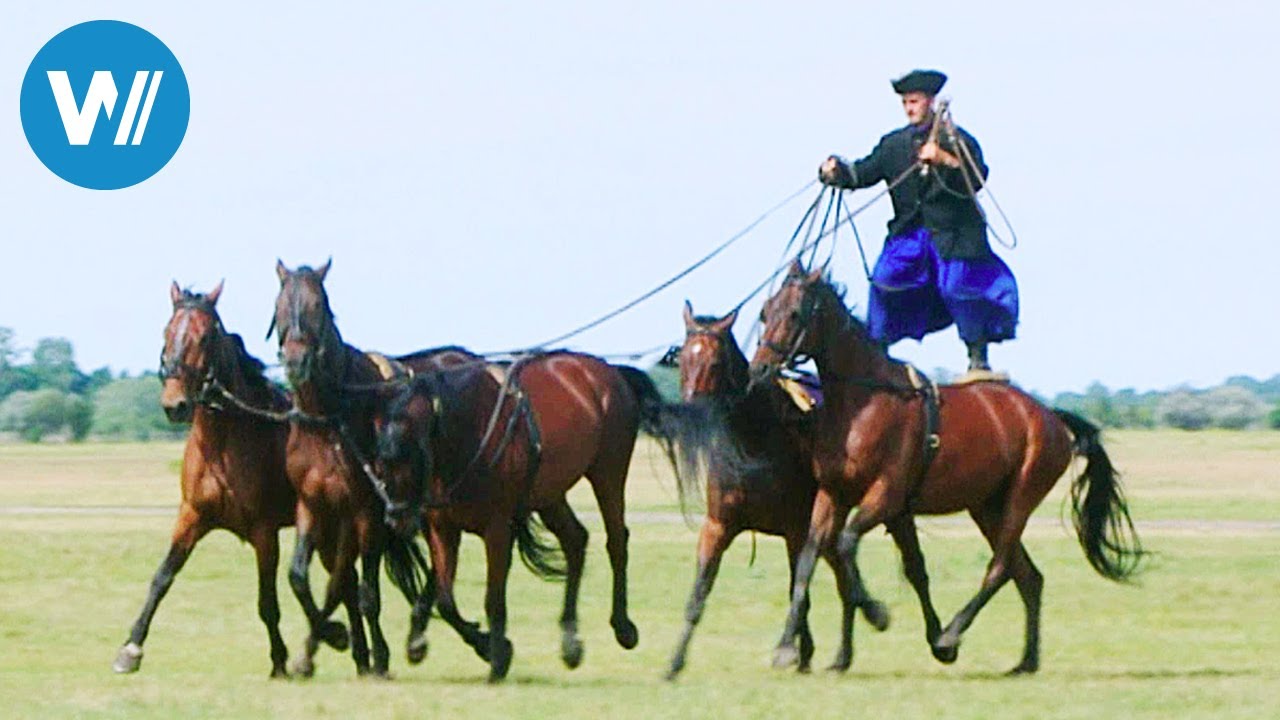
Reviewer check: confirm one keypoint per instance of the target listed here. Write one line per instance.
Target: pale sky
(494, 174)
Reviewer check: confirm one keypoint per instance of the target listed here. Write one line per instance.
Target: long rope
(669, 282)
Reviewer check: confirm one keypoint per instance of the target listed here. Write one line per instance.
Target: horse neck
(846, 352)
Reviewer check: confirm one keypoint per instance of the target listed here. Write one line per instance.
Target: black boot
(978, 356)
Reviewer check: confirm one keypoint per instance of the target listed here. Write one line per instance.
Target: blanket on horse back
(805, 389)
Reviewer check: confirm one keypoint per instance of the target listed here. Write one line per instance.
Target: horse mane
(250, 370)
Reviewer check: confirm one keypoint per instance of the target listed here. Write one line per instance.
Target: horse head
(406, 424)
(791, 319)
(187, 360)
(807, 318)
(711, 365)
(303, 323)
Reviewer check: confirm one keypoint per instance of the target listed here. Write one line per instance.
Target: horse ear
(725, 324)
(282, 272)
(175, 292)
(797, 269)
(215, 293)
(689, 324)
(324, 269)
(814, 276)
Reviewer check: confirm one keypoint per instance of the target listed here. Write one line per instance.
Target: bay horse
(773, 496)
(340, 504)
(233, 474)
(998, 453)
(463, 451)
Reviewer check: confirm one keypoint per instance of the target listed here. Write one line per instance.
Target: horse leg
(561, 521)
(608, 486)
(795, 544)
(344, 587)
(871, 512)
(442, 541)
(826, 515)
(903, 530)
(371, 608)
(321, 628)
(188, 530)
(266, 545)
(844, 655)
(712, 543)
(497, 547)
(1007, 530)
(419, 615)
(1029, 582)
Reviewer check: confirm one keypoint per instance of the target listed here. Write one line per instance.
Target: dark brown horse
(340, 505)
(472, 453)
(774, 497)
(233, 474)
(999, 453)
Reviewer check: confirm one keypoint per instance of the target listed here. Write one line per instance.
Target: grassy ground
(1198, 637)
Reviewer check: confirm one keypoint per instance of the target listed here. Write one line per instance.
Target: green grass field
(1199, 636)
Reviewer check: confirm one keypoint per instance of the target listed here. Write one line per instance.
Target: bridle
(174, 367)
(787, 353)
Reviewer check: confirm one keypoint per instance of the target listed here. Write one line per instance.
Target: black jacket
(939, 201)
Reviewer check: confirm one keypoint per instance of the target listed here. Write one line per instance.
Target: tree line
(44, 394)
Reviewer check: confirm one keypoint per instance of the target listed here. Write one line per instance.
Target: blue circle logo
(105, 105)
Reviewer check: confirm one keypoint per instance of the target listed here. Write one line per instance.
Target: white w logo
(102, 95)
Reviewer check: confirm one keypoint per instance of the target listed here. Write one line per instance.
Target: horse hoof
(804, 668)
(304, 668)
(785, 656)
(499, 666)
(674, 672)
(626, 633)
(946, 651)
(877, 614)
(334, 634)
(279, 673)
(571, 652)
(839, 667)
(416, 650)
(1023, 668)
(129, 659)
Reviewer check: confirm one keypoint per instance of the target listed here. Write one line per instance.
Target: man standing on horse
(937, 266)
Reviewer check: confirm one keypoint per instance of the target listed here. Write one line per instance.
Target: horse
(463, 451)
(997, 453)
(340, 503)
(233, 474)
(775, 499)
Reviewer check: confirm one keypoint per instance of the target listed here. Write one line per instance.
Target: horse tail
(542, 557)
(407, 566)
(1098, 507)
(649, 399)
(695, 437)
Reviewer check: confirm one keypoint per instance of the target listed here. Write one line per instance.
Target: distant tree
(1184, 410)
(1273, 418)
(1234, 407)
(53, 362)
(46, 414)
(13, 410)
(130, 408)
(79, 417)
(1097, 405)
(97, 379)
(8, 351)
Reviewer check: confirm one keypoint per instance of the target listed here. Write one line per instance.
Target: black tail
(695, 437)
(406, 565)
(651, 403)
(1098, 508)
(543, 558)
